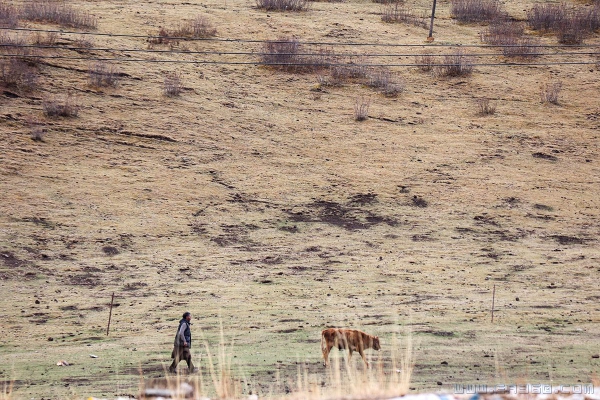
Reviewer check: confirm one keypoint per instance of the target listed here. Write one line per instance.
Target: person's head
(187, 316)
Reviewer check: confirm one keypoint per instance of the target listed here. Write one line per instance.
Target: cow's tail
(323, 344)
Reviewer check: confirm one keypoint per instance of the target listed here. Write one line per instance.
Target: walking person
(183, 342)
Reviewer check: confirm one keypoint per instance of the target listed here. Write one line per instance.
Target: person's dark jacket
(184, 334)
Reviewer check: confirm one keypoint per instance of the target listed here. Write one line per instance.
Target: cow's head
(376, 345)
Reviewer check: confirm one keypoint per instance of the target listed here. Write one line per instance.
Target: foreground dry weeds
(254, 198)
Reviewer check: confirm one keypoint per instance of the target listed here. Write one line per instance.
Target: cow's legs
(362, 354)
(326, 351)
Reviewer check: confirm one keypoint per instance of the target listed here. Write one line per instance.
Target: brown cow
(350, 339)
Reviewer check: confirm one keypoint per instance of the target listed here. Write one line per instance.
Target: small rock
(596, 356)
(93, 356)
(50, 339)
(517, 299)
(37, 302)
(62, 363)
(439, 383)
(444, 363)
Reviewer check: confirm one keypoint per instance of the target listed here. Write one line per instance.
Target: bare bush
(58, 13)
(44, 38)
(283, 5)
(199, 27)
(425, 62)
(289, 55)
(9, 17)
(550, 92)
(103, 75)
(361, 108)
(18, 74)
(388, 1)
(37, 130)
(397, 13)
(456, 64)
(84, 42)
(510, 35)
(383, 80)
(472, 11)
(65, 106)
(571, 24)
(485, 107)
(546, 17)
(172, 85)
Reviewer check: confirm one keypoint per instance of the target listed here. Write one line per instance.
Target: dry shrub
(485, 107)
(361, 108)
(397, 13)
(546, 17)
(425, 62)
(64, 106)
(383, 80)
(37, 130)
(348, 71)
(289, 55)
(172, 85)
(550, 92)
(199, 27)
(9, 17)
(44, 38)
(58, 13)
(456, 64)
(388, 1)
(18, 74)
(283, 5)
(103, 75)
(473, 11)
(511, 36)
(571, 24)
(84, 42)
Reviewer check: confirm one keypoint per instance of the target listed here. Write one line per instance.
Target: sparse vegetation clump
(398, 13)
(283, 5)
(570, 24)
(289, 55)
(361, 108)
(510, 35)
(550, 92)
(58, 13)
(456, 64)
(9, 17)
(66, 106)
(16, 73)
(102, 74)
(383, 80)
(475, 11)
(485, 107)
(425, 62)
(172, 85)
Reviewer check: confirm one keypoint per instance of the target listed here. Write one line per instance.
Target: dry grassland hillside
(182, 175)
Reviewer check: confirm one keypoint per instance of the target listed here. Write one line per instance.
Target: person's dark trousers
(181, 353)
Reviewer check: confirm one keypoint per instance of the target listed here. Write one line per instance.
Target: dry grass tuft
(571, 24)
(58, 13)
(397, 13)
(283, 5)
(18, 74)
(425, 62)
(199, 27)
(475, 11)
(511, 36)
(361, 108)
(172, 85)
(289, 55)
(9, 17)
(485, 107)
(103, 75)
(550, 92)
(65, 106)
(456, 64)
(386, 83)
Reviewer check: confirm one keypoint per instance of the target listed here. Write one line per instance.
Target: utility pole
(430, 38)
